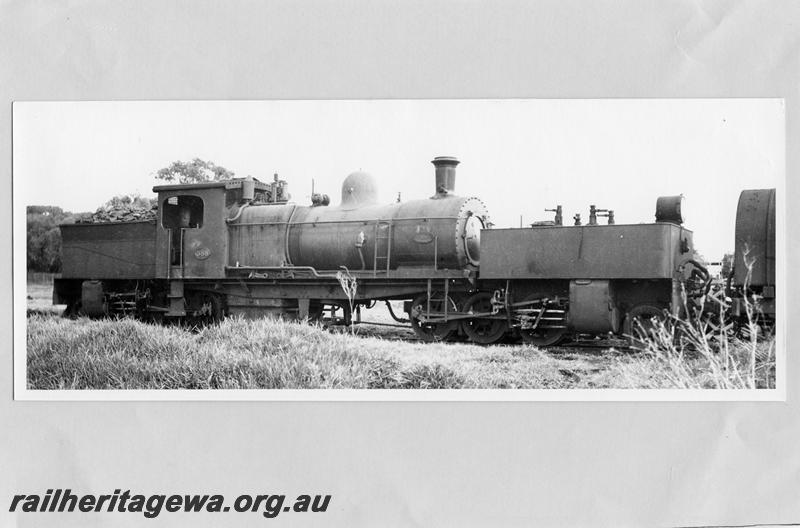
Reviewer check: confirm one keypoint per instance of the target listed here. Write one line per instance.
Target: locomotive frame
(239, 247)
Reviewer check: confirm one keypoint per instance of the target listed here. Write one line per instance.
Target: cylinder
(445, 174)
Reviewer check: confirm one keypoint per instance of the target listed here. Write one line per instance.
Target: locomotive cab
(192, 237)
(188, 237)
(192, 242)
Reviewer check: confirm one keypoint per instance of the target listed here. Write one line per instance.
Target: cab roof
(234, 183)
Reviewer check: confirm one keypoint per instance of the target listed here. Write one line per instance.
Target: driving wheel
(542, 336)
(482, 330)
(427, 331)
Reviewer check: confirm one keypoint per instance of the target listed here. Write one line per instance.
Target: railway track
(397, 332)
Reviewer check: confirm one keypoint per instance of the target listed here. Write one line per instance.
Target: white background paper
(409, 463)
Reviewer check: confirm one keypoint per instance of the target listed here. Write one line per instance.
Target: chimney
(445, 175)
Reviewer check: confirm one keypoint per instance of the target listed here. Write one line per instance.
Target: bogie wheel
(316, 311)
(642, 324)
(482, 330)
(432, 331)
(210, 309)
(340, 314)
(73, 310)
(543, 337)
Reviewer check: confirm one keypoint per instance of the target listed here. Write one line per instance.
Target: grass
(679, 367)
(703, 352)
(273, 354)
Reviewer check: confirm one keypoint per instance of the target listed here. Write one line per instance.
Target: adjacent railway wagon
(753, 273)
(239, 247)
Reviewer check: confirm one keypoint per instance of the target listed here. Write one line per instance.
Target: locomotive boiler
(442, 232)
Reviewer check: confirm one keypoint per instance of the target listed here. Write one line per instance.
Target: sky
(519, 156)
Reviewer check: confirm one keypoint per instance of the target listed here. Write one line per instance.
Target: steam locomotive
(240, 247)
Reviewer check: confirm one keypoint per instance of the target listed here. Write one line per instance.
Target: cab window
(182, 212)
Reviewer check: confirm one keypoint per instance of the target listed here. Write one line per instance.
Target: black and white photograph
(401, 245)
(419, 263)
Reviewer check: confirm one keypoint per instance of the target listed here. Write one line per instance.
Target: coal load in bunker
(120, 213)
(240, 248)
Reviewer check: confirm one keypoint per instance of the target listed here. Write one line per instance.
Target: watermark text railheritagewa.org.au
(65, 501)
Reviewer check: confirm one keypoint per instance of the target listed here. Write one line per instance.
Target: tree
(195, 171)
(44, 237)
(133, 201)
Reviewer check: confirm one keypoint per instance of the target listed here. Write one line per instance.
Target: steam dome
(359, 189)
